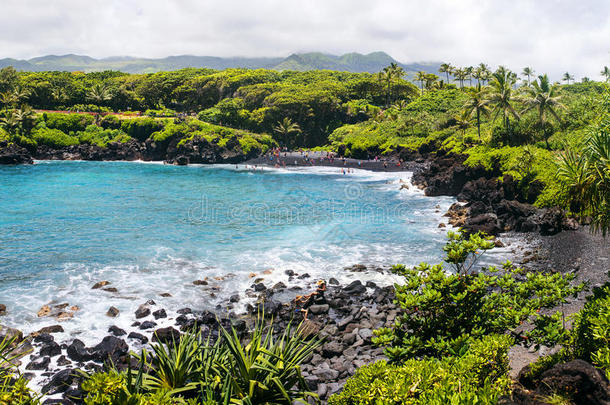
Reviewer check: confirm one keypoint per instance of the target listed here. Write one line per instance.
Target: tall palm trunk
(479, 123)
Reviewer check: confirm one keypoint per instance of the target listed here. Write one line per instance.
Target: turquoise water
(152, 228)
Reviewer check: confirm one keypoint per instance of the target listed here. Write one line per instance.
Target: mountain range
(351, 62)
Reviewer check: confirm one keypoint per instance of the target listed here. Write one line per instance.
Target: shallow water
(151, 228)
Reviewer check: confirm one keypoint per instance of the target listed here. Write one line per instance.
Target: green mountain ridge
(351, 62)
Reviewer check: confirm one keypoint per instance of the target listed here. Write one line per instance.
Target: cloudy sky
(552, 36)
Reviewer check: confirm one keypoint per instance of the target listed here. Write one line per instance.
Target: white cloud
(552, 36)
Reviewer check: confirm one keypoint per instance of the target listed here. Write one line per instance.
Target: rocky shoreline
(344, 316)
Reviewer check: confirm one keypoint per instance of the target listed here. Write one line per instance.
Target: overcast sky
(551, 36)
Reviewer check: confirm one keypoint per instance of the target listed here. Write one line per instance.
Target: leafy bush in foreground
(13, 389)
(195, 371)
(478, 376)
(442, 312)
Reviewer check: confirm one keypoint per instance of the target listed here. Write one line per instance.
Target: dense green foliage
(442, 312)
(193, 370)
(478, 376)
(13, 386)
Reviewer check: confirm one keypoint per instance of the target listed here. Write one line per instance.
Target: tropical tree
(528, 72)
(501, 96)
(585, 174)
(461, 75)
(483, 72)
(421, 78)
(7, 99)
(543, 97)
(606, 73)
(477, 105)
(19, 121)
(469, 72)
(99, 93)
(286, 127)
(20, 94)
(430, 80)
(567, 77)
(446, 68)
(389, 75)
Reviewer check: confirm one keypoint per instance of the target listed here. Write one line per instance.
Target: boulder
(41, 364)
(487, 223)
(142, 311)
(50, 349)
(110, 349)
(113, 312)
(139, 337)
(51, 329)
(166, 335)
(355, 288)
(584, 383)
(2, 309)
(160, 313)
(116, 331)
(60, 382)
(78, 352)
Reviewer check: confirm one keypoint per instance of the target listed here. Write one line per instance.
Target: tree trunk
(479, 124)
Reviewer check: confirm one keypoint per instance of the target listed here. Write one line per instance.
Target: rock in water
(110, 349)
(142, 311)
(113, 312)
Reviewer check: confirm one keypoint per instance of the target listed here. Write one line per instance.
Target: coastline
(345, 324)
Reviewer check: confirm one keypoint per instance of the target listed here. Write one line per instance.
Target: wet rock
(258, 287)
(234, 298)
(113, 312)
(289, 273)
(304, 276)
(165, 295)
(166, 335)
(41, 364)
(200, 282)
(139, 337)
(60, 382)
(160, 313)
(279, 286)
(51, 329)
(355, 288)
(78, 352)
(43, 338)
(151, 303)
(100, 284)
(185, 311)
(110, 349)
(7, 333)
(116, 331)
(63, 361)
(142, 311)
(110, 290)
(2, 309)
(50, 349)
(148, 325)
(333, 281)
(45, 310)
(356, 268)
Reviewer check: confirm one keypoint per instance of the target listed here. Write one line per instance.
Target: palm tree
(501, 95)
(430, 79)
(26, 118)
(99, 93)
(7, 99)
(9, 122)
(567, 77)
(446, 68)
(460, 74)
(469, 71)
(421, 78)
(286, 127)
(484, 72)
(606, 73)
(477, 105)
(528, 72)
(20, 94)
(390, 74)
(543, 97)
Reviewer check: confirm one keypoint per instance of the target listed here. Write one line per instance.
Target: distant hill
(350, 62)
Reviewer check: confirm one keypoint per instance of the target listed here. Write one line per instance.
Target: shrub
(110, 122)
(53, 138)
(443, 311)
(141, 128)
(68, 122)
(194, 371)
(95, 135)
(479, 376)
